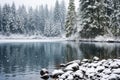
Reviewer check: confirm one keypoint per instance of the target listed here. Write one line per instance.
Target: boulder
(43, 71)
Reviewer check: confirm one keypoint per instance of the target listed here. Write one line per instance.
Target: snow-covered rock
(114, 65)
(75, 61)
(66, 74)
(116, 71)
(95, 58)
(43, 71)
(70, 77)
(78, 73)
(72, 67)
(45, 76)
(100, 68)
(56, 73)
(107, 71)
(96, 70)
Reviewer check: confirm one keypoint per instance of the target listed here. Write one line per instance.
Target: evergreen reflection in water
(23, 61)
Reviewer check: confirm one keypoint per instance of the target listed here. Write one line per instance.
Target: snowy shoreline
(21, 38)
(86, 69)
(53, 40)
(3, 40)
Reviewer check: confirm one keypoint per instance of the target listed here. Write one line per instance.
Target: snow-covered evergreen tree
(12, 19)
(70, 25)
(31, 22)
(57, 12)
(115, 18)
(48, 30)
(21, 20)
(57, 19)
(62, 15)
(36, 19)
(46, 11)
(5, 19)
(93, 17)
(0, 19)
(42, 18)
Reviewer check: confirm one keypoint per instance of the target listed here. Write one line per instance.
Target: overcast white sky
(34, 3)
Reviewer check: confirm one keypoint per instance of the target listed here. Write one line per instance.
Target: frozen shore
(87, 69)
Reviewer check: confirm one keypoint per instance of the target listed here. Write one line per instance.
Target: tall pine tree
(70, 25)
(21, 21)
(42, 18)
(62, 15)
(57, 18)
(115, 18)
(94, 21)
(12, 19)
(5, 19)
(0, 19)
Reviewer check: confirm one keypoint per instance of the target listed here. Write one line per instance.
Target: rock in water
(45, 76)
(43, 71)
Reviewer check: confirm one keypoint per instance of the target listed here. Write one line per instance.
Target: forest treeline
(38, 21)
(93, 18)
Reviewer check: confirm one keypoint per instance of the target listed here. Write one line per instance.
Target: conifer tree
(93, 17)
(62, 15)
(0, 19)
(42, 18)
(5, 19)
(57, 19)
(57, 12)
(70, 25)
(115, 18)
(12, 19)
(21, 20)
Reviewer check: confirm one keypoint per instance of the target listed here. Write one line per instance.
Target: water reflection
(22, 61)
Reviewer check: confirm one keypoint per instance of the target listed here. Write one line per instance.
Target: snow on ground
(37, 38)
(31, 40)
(105, 38)
(22, 38)
(100, 39)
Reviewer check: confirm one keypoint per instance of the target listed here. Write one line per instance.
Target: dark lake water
(23, 61)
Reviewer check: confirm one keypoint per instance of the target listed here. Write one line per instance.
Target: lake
(23, 61)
